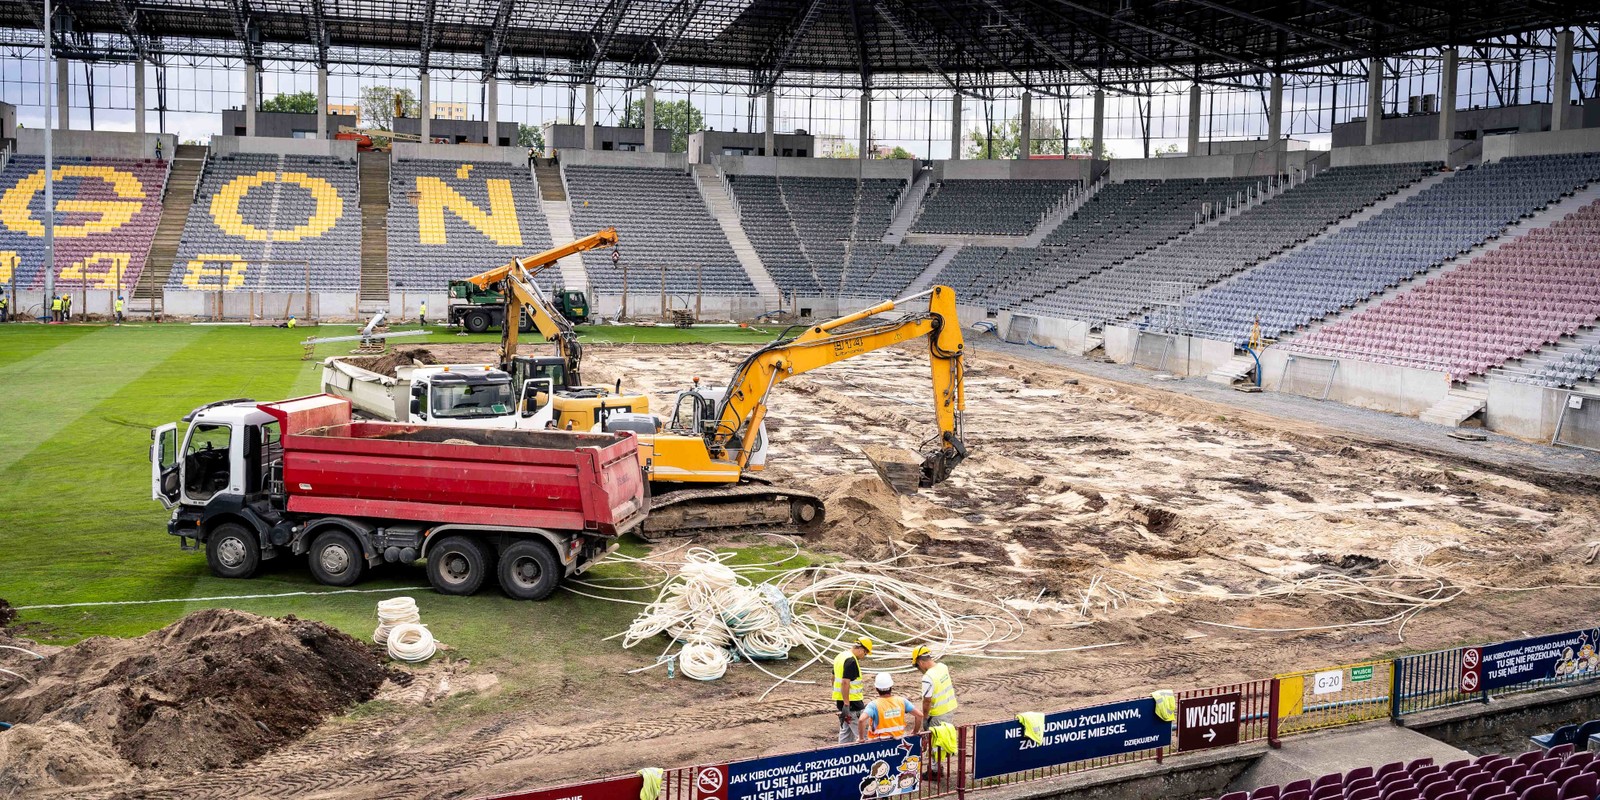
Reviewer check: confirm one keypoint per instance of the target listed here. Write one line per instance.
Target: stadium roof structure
(970, 45)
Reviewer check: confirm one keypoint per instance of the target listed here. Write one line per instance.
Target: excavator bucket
(899, 467)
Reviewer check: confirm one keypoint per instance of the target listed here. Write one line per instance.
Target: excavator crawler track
(744, 507)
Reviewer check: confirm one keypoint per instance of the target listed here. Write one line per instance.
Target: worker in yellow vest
(938, 693)
(888, 716)
(291, 321)
(847, 694)
(422, 313)
(55, 309)
(119, 309)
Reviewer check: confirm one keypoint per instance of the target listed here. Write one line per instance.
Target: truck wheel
(529, 571)
(524, 323)
(476, 321)
(336, 558)
(233, 551)
(457, 566)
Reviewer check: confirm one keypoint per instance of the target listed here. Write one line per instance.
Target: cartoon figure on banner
(1585, 660)
(882, 780)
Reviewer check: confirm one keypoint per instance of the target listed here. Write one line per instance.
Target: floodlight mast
(49, 174)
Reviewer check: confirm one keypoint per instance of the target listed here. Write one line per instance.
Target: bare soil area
(1203, 544)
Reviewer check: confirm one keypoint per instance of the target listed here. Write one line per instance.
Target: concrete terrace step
(931, 272)
(906, 210)
(374, 178)
(187, 167)
(573, 274)
(1457, 407)
(548, 175)
(1237, 369)
(715, 194)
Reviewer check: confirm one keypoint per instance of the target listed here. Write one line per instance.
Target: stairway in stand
(548, 173)
(374, 177)
(187, 164)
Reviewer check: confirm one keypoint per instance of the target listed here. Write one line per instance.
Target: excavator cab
(693, 413)
(551, 368)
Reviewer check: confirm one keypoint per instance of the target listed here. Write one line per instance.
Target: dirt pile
(388, 363)
(214, 689)
(7, 613)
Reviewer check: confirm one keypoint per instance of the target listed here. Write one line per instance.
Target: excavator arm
(522, 295)
(739, 415)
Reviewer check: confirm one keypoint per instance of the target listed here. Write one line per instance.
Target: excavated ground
(1108, 513)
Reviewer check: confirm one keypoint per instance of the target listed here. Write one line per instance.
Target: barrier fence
(1093, 737)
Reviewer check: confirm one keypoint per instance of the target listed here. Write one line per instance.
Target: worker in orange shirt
(888, 716)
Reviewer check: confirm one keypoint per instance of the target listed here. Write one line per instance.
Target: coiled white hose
(412, 643)
(703, 662)
(392, 612)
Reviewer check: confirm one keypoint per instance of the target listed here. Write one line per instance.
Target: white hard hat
(884, 682)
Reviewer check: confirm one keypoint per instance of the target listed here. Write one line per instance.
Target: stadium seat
(1564, 773)
(1566, 734)
(1455, 795)
(1543, 791)
(1583, 785)
(106, 212)
(451, 219)
(1302, 785)
(1519, 784)
(1511, 772)
(1486, 789)
(997, 207)
(1368, 792)
(1584, 738)
(1235, 796)
(1580, 758)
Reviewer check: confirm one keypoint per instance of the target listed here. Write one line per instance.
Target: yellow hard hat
(865, 644)
(919, 652)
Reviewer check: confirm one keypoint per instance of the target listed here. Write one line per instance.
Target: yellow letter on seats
(499, 224)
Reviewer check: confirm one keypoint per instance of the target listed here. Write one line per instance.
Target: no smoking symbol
(1469, 659)
(709, 781)
(1469, 682)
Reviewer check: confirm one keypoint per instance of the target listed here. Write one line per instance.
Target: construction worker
(291, 322)
(938, 693)
(422, 312)
(55, 309)
(158, 149)
(66, 308)
(5, 306)
(848, 696)
(889, 717)
(119, 309)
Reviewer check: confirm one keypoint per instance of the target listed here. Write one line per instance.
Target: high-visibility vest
(944, 692)
(838, 675)
(424, 310)
(119, 306)
(55, 305)
(291, 322)
(891, 718)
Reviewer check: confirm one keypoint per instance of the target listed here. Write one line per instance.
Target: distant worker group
(889, 716)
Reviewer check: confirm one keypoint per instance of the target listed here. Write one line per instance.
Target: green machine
(478, 310)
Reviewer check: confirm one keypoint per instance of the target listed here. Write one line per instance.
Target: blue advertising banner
(1069, 736)
(865, 771)
(1562, 655)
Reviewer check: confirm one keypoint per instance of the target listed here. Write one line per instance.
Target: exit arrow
(1211, 734)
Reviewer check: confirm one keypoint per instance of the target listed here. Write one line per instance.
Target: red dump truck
(254, 481)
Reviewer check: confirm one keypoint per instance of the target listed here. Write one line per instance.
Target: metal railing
(1334, 696)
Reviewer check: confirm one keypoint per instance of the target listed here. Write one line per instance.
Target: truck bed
(521, 479)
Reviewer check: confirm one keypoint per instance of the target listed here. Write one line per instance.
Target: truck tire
(336, 558)
(233, 551)
(475, 321)
(529, 570)
(524, 323)
(458, 565)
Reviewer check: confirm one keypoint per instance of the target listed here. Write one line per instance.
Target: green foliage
(531, 136)
(901, 153)
(378, 106)
(1044, 138)
(297, 103)
(678, 116)
(846, 150)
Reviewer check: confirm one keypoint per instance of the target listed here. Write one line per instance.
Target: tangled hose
(392, 612)
(412, 643)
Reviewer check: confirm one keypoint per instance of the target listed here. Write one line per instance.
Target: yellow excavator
(701, 462)
(577, 407)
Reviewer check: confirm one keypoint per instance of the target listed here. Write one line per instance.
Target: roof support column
(252, 97)
(1275, 113)
(866, 123)
(1025, 128)
(955, 127)
(63, 94)
(588, 118)
(491, 109)
(1561, 80)
(772, 119)
(425, 108)
(138, 96)
(1194, 120)
(322, 102)
(1448, 75)
(650, 118)
(1374, 99)
(1098, 142)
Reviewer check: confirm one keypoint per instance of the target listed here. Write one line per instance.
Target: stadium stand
(890, 272)
(262, 222)
(1509, 301)
(1559, 773)
(1440, 223)
(450, 219)
(106, 215)
(810, 231)
(993, 207)
(1120, 221)
(661, 222)
(1190, 262)
(1569, 371)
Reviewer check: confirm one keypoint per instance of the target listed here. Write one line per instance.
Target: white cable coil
(392, 612)
(412, 643)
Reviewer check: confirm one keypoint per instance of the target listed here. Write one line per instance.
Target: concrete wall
(1521, 410)
(461, 131)
(1241, 146)
(282, 124)
(1471, 123)
(1064, 169)
(705, 146)
(1402, 153)
(110, 144)
(624, 158)
(245, 306)
(816, 167)
(562, 138)
(1381, 387)
(1543, 143)
(8, 121)
(1236, 165)
(455, 152)
(647, 305)
(224, 145)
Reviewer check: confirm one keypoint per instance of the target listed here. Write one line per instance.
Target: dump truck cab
(226, 452)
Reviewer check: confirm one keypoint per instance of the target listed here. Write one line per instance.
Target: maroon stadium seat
(1580, 759)
(1526, 781)
(1455, 766)
(1510, 772)
(1327, 791)
(1560, 776)
(1357, 774)
(1266, 793)
(1435, 791)
(1331, 779)
(1455, 795)
(1303, 794)
(1544, 791)
(1583, 785)
(1484, 791)
(1561, 750)
(1236, 796)
(1403, 793)
(1546, 766)
(1363, 793)
(1302, 785)
(1394, 766)
(1532, 757)
(1418, 764)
